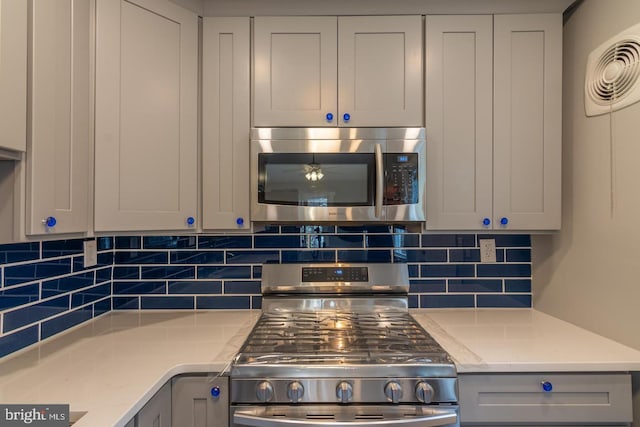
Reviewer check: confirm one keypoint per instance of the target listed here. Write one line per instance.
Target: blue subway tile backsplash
(169, 242)
(19, 252)
(195, 287)
(33, 271)
(224, 242)
(167, 303)
(56, 248)
(45, 288)
(197, 257)
(504, 301)
(371, 255)
(66, 284)
(447, 301)
(308, 256)
(19, 340)
(18, 295)
(34, 313)
(517, 285)
(242, 287)
(66, 321)
(220, 302)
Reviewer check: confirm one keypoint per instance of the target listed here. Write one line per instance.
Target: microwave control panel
(401, 178)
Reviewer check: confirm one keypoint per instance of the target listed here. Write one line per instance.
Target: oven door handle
(379, 180)
(438, 418)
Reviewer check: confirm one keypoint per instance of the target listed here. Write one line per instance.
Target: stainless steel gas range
(336, 346)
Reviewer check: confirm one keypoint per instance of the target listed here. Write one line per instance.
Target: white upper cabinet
(295, 72)
(226, 123)
(459, 119)
(528, 121)
(13, 77)
(493, 119)
(146, 174)
(380, 71)
(58, 155)
(346, 71)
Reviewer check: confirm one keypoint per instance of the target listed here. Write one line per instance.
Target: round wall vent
(613, 73)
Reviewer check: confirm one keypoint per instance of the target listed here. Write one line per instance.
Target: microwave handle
(379, 180)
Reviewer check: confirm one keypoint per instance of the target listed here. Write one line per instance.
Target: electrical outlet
(90, 253)
(487, 250)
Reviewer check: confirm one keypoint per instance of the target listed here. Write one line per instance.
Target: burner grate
(386, 337)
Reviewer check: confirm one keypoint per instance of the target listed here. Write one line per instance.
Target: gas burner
(363, 337)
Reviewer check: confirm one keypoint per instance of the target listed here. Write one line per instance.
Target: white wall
(589, 273)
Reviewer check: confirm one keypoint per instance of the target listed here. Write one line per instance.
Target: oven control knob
(295, 391)
(424, 392)
(344, 391)
(264, 391)
(393, 391)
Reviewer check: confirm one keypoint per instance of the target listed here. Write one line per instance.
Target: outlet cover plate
(90, 253)
(487, 250)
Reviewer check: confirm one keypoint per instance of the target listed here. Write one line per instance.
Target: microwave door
(317, 186)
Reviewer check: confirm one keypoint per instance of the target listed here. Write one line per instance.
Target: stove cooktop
(385, 342)
(317, 320)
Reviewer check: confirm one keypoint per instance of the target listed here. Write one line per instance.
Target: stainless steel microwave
(338, 174)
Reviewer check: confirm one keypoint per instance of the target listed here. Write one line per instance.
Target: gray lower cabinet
(512, 400)
(194, 405)
(157, 412)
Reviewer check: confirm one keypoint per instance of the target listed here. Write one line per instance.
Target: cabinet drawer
(588, 399)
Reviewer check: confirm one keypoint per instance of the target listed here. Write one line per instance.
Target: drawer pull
(546, 386)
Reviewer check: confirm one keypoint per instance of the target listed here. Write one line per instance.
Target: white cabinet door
(295, 71)
(226, 123)
(157, 412)
(58, 162)
(146, 116)
(13, 76)
(380, 71)
(193, 402)
(528, 120)
(511, 179)
(311, 71)
(459, 118)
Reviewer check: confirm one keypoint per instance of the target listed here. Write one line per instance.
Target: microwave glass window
(320, 179)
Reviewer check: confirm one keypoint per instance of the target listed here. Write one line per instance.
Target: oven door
(344, 415)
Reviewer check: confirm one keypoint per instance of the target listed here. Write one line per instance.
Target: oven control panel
(339, 390)
(335, 274)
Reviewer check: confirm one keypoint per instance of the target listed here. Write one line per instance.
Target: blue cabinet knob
(239, 221)
(504, 220)
(215, 392)
(486, 222)
(546, 386)
(50, 221)
(346, 117)
(191, 220)
(329, 117)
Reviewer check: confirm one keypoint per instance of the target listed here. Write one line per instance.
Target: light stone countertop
(111, 366)
(522, 340)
